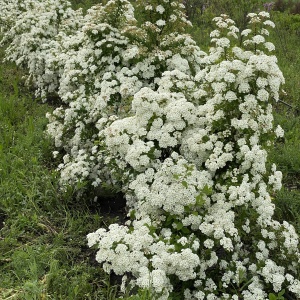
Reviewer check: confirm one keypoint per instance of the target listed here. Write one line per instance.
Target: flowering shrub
(31, 38)
(10, 11)
(184, 134)
(120, 62)
(193, 159)
(90, 86)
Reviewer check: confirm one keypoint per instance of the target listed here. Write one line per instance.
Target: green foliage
(236, 9)
(287, 203)
(85, 4)
(286, 39)
(286, 152)
(143, 294)
(277, 297)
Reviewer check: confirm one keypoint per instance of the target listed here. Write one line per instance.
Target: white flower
(246, 32)
(209, 243)
(269, 46)
(258, 39)
(279, 131)
(160, 23)
(188, 151)
(264, 14)
(263, 95)
(160, 9)
(223, 42)
(226, 243)
(230, 96)
(215, 33)
(159, 280)
(269, 23)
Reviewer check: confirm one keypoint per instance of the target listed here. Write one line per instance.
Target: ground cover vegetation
(184, 123)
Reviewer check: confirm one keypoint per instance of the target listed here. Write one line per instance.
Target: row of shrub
(184, 134)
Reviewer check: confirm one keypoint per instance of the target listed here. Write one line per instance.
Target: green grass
(43, 249)
(286, 152)
(286, 155)
(286, 37)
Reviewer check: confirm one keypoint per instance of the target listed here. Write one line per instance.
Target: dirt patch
(113, 206)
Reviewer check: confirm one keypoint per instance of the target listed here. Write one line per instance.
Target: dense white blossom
(183, 133)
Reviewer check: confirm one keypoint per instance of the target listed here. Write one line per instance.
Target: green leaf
(272, 297)
(179, 225)
(150, 154)
(199, 200)
(132, 214)
(185, 230)
(187, 209)
(207, 190)
(185, 184)
(169, 220)
(241, 276)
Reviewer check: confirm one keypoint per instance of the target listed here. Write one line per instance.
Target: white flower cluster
(182, 132)
(95, 63)
(193, 161)
(32, 38)
(10, 11)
